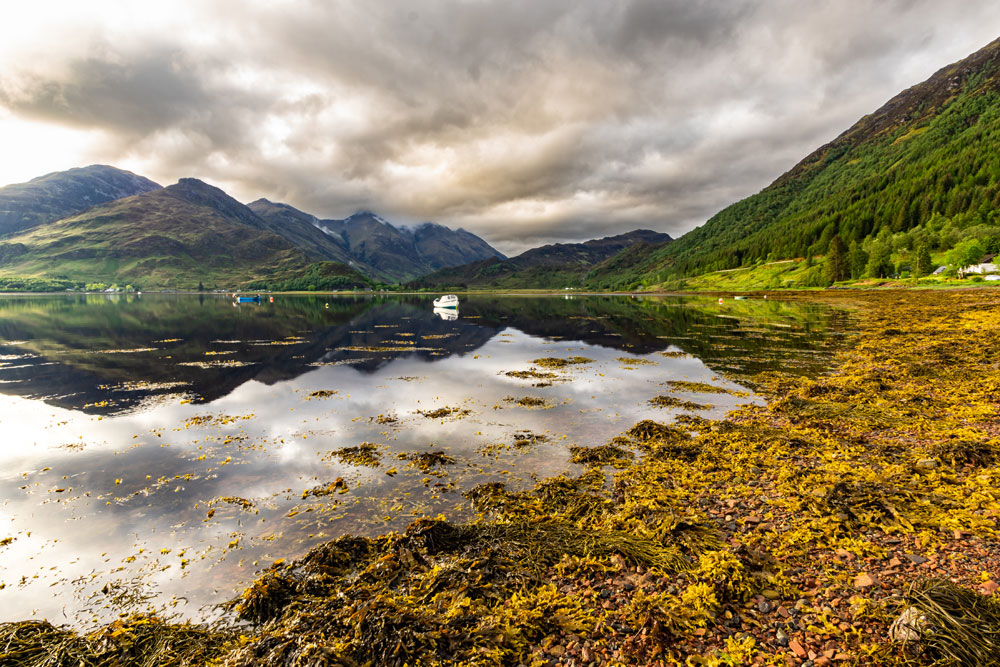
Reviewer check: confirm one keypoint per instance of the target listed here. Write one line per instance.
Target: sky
(524, 121)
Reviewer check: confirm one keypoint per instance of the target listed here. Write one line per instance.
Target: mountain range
(555, 266)
(100, 223)
(920, 173)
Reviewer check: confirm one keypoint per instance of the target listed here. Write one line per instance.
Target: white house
(980, 268)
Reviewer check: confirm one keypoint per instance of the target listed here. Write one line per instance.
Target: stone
(558, 650)
(916, 559)
(586, 654)
(909, 626)
(989, 587)
(764, 606)
(865, 580)
(770, 594)
(927, 464)
(781, 637)
(797, 648)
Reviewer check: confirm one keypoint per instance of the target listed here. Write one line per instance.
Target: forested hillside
(921, 174)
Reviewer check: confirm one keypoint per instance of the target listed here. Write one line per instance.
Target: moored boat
(446, 301)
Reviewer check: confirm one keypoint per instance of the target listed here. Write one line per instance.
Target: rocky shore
(794, 533)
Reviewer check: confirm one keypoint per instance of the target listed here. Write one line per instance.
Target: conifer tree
(924, 265)
(836, 260)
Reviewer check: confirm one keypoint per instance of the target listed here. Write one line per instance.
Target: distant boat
(447, 301)
(740, 298)
(447, 314)
(248, 299)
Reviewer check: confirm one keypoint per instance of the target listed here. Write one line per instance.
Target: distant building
(985, 266)
(939, 270)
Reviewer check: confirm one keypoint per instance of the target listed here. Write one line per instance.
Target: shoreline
(787, 533)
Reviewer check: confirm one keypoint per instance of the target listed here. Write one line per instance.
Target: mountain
(177, 236)
(374, 246)
(62, 193)
(551, 266)
(301, 230)
(101, 224)
(927, 163)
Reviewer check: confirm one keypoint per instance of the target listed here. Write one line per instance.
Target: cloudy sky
(525, 121)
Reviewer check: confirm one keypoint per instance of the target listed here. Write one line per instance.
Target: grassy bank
(788, 533)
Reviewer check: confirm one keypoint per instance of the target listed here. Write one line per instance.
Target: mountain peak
(62, 193)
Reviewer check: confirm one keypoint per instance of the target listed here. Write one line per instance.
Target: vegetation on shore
(916, 175)
(790, 532)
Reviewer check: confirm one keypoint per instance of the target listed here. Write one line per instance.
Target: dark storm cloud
(520, 120)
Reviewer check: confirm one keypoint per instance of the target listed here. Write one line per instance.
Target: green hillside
(162, 238)
(922, 172)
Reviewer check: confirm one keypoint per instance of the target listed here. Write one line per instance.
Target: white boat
(447, 301)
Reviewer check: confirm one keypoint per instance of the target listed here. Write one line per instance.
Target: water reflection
(176, 445)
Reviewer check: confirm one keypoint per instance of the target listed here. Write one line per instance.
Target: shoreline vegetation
(853, 519)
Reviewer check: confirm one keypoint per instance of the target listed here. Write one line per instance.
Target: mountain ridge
(922, 161)
(138, 230)
(551, 266)
(58, 194)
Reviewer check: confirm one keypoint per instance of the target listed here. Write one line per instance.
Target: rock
(989, 587)
(764, 606)
(865, 580)
(558, 650)
(770, 594)
(797, 649)
(586, 654)
(781, 637)
(915, 559)
(909, 626)
(927, 464)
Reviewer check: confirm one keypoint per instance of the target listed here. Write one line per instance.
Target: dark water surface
(165, 448)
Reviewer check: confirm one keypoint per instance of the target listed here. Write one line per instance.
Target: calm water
(163, 449)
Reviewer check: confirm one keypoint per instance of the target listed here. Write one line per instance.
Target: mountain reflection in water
(168, 447)
(107, 354)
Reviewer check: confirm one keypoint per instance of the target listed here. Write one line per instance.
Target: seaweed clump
(527, 401)
(674, 402)
(601, 456)
(427, 462)
(442, 413)
(366, 454)
(138, 639)
(944, 624)
(558, 362)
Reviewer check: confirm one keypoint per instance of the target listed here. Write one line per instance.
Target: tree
(201, 287)
(836, 260)
(857, 259)
(924, 265)
(879, 260)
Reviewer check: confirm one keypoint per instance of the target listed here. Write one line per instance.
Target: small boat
(447, 301)
(248, 299)
(740, 298)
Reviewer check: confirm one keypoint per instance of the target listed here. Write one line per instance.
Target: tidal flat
(355, 488)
